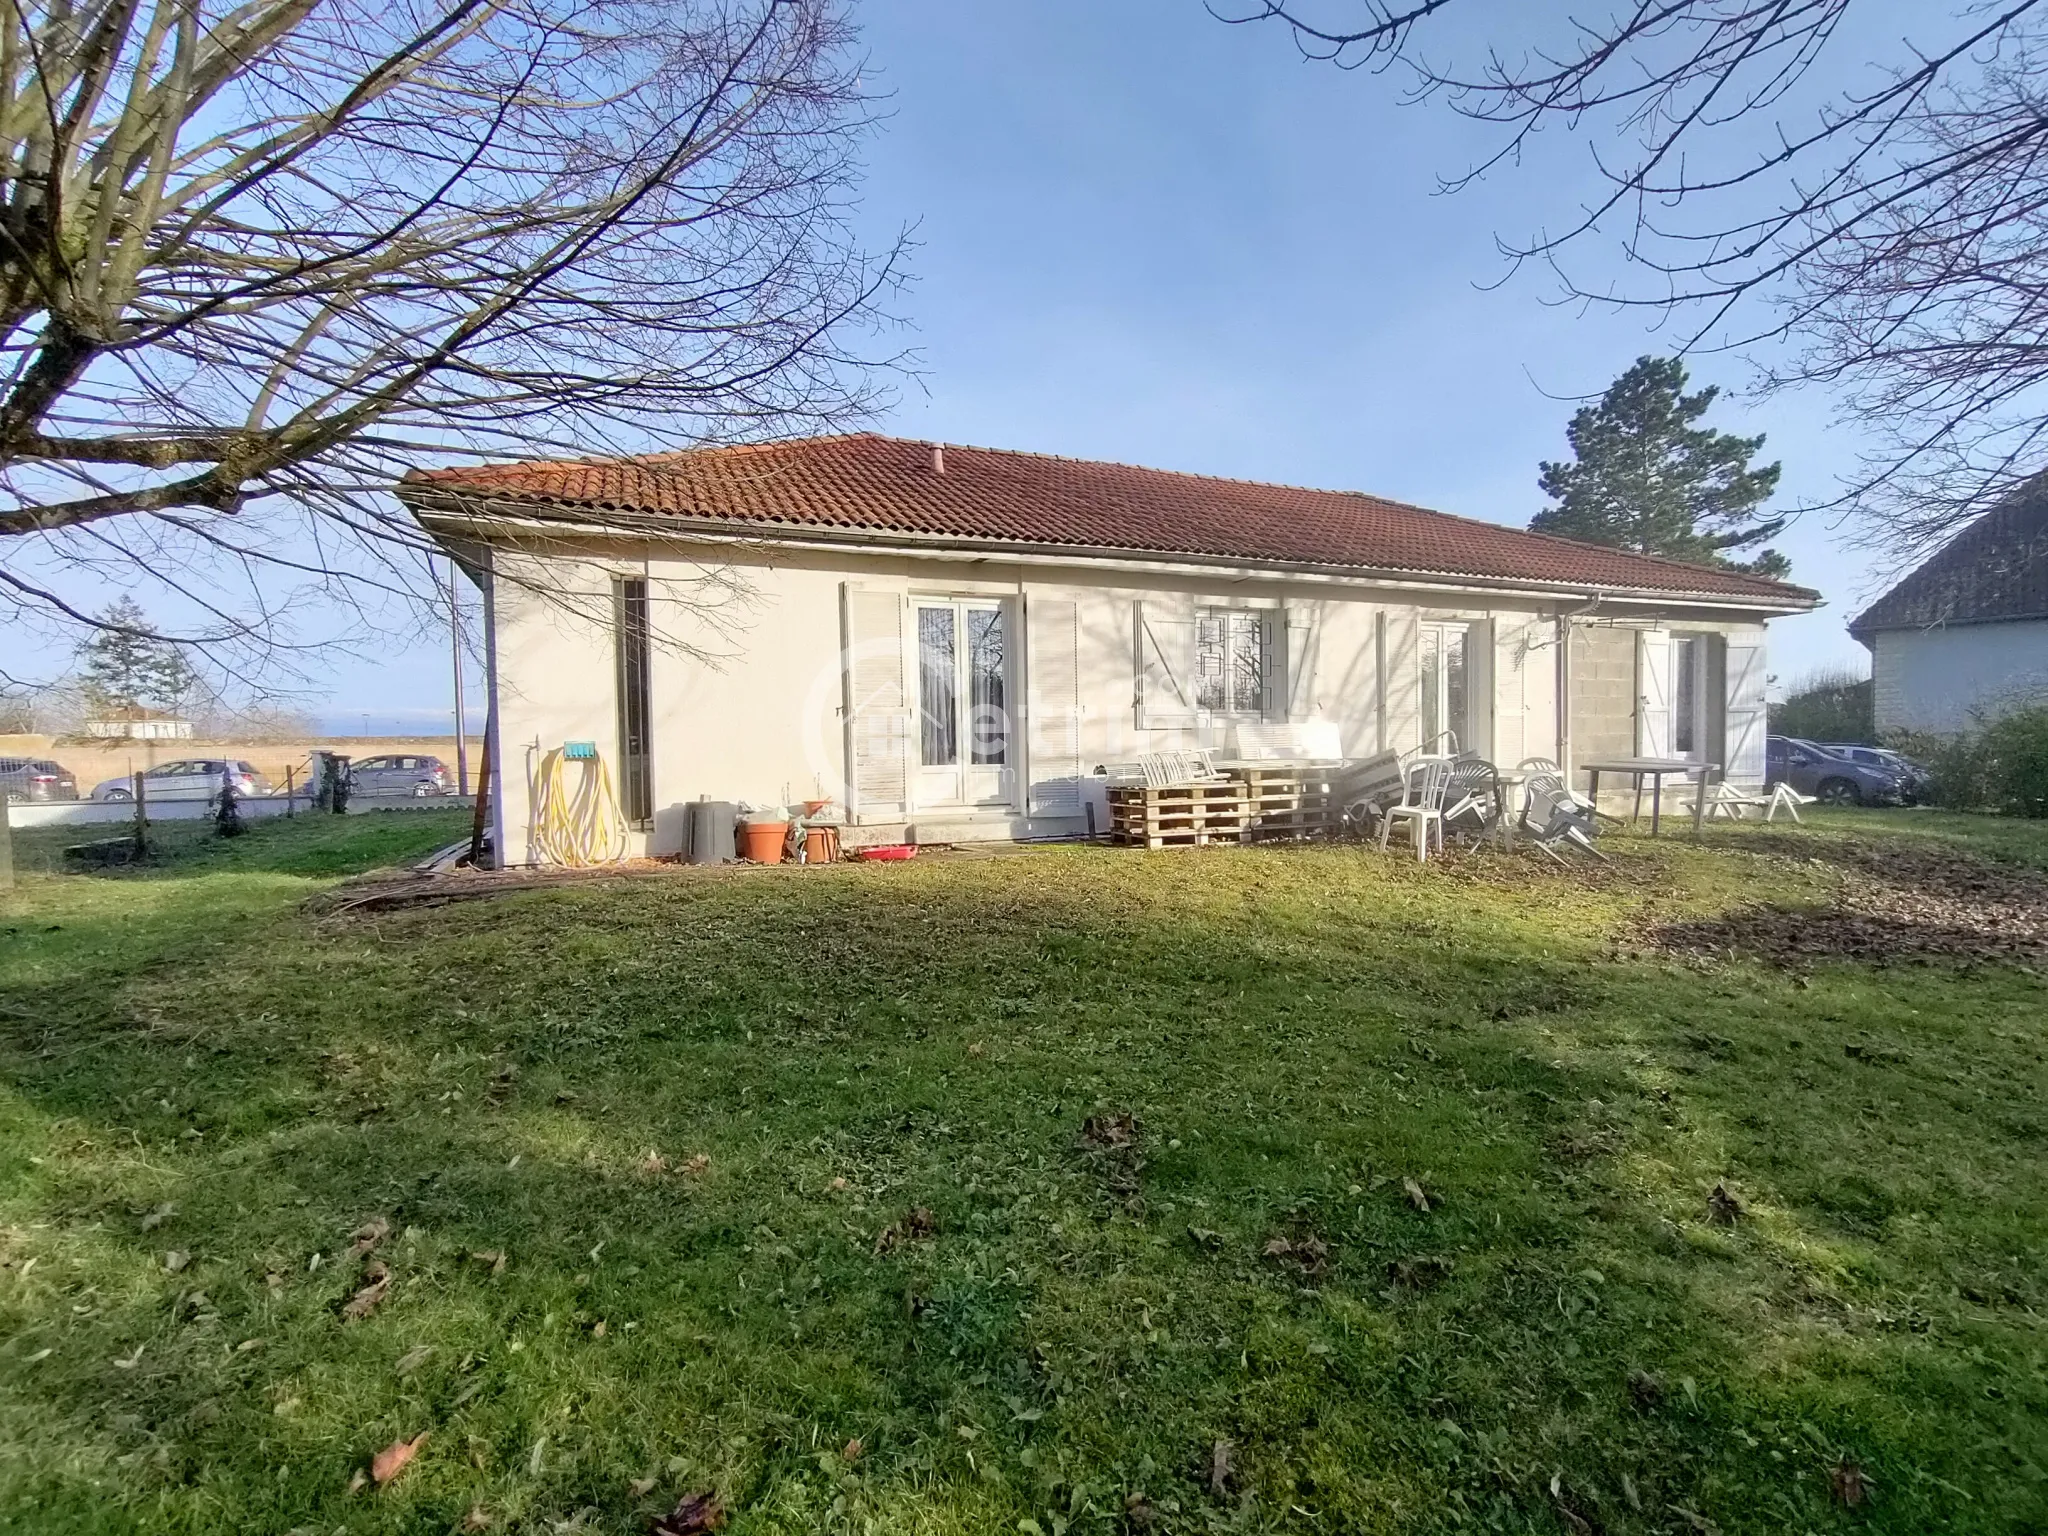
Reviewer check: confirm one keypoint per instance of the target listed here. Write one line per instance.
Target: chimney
(938, 458)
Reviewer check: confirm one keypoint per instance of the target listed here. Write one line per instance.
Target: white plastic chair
(1551, 815)
(1421, 805)
(1535, 765)
(1732, 802)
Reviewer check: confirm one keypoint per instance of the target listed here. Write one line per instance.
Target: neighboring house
(949, 639)
(1965, 634)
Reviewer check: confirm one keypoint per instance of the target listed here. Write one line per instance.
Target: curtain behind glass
(938, 699)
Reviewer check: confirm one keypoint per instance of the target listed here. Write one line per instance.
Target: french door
(963, 702)
(1446, 689)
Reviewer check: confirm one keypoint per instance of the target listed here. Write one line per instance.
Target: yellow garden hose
(578, 828)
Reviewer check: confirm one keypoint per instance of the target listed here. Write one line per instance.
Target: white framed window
(1447, 687)
(1233, 662)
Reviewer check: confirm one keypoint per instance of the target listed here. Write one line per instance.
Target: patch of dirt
(1893, 901)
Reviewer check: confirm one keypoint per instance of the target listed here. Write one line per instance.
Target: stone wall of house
(1603, 675)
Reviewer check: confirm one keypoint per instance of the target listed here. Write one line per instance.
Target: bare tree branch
(257, 259)
(1888, 240)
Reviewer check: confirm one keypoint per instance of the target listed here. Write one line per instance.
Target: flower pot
(821, 845)
(812, 807)
(762, 841)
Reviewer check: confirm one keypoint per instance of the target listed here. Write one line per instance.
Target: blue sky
(1149, 237)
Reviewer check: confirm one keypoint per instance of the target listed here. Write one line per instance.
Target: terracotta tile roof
(1995, 569)
(872, 484)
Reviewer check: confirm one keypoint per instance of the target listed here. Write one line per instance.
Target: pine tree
(1649, 478)
(128, 670)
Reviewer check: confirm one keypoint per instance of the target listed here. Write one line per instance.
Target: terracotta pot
(821, 845)
(812, 807)
(762, 841)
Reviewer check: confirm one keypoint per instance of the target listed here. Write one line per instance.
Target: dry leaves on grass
(376, 1286)
(1309, 1255)
(1417, 1195)
(1894, 901)
(368, 1236)
(1723, 1208)
(395, 1458)
(914, 1224)
(413, 1359)
(1419, 1272)
(504, 1082)
(492, 1258)
(1849, 1483)
(694, 1514)
(1220, 1468)
(1114, 1146)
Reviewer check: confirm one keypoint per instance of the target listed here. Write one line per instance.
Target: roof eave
(476, 514)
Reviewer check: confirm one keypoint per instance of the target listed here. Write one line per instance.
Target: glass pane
(1456, 717)
(1211, 662)
(1685, 703)
(1432, 686)
(987, 706)
(1246, 663)
(937, 687)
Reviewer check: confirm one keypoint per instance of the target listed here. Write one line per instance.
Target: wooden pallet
(1188, 816)
(1288, 805)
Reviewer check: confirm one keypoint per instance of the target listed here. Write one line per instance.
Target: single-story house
(1965, 634)
(947, 640)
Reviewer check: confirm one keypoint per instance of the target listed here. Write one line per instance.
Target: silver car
(193, 778)
(400, 773)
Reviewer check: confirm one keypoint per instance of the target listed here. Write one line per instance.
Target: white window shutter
(878, 713)
(1653, 693)
(1052, 662)
(1165, 667)
(1297, 661)
(1746, 726)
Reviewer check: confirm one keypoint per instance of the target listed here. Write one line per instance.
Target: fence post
(137, 780)
(6, 844)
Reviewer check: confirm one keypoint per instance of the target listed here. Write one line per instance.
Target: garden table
(1656, 770)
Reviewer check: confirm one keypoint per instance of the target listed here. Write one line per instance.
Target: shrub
(2003, 763)
(1833, 704)
(2016, 746)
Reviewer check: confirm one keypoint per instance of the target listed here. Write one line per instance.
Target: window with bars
(636, 778)
(1230, 661)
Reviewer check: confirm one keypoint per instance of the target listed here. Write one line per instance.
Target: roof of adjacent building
(867, 484)
(1995, 569)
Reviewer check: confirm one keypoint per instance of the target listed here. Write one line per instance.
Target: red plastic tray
(888, 851)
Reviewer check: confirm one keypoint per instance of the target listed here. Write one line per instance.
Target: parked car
(403, 773)
(35, 778)
(1813, 770)
(193, 778)
(1913, 778)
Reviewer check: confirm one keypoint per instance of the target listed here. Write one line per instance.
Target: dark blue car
(1829, 777)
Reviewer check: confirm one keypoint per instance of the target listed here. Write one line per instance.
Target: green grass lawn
(780, 1185)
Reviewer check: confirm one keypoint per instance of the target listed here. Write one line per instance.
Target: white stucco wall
(747, 687)
(1938, 680)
